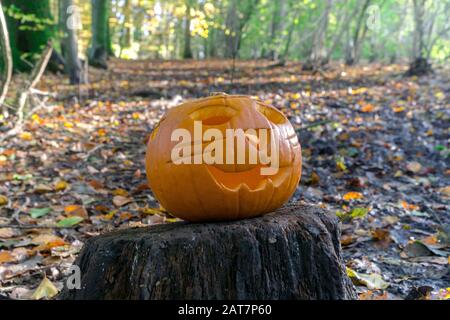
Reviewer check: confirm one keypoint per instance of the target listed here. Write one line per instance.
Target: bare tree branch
(6, 56)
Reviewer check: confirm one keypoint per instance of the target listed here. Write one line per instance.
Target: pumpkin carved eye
(272, 114)
(213, 115)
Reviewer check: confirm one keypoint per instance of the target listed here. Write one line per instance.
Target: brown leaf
(347, 239)
(141, 187)
(3, 200)
(6, 256)
(7, 233)
(43, 188)
(76, 210)
(414, 166)
(380, 234)
(370, 295)
(96, 184)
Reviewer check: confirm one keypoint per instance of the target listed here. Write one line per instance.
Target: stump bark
(293, 253)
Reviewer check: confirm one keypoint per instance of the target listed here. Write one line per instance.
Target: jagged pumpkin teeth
(218, 175)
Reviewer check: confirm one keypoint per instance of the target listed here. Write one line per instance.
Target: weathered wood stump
(293, 253)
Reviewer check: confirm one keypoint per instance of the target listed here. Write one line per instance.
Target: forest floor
(375, 151)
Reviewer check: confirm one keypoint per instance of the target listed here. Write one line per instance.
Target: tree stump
(293, 253)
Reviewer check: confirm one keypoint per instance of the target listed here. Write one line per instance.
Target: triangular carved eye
(272, 114)
(213, 115)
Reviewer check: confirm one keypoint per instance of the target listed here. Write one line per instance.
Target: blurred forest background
(314, 32)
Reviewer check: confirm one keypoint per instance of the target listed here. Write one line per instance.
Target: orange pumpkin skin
(202, 192)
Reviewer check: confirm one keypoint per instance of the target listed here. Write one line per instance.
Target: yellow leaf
(151, 211)
(372, 281)
(61, 185)
(136, 115)
(398, 109)
(296, 96)
(352, 195)
(120, 192)
(3, 200)
(46, 289)
(26, 136)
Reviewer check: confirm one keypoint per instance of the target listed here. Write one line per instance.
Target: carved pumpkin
(232, 189)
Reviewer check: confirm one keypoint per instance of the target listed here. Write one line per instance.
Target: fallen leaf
(7, 233)
(43, 188)
(380, 234)
(370, 295)
(6, 256)
(347, 239)
(408, 206)
(420, 249)
(76, 210)
(398, 109)
(445, 191)
(69, 222)
(39, 212)
(3, 200)
(141, 187)
(372, 281)
(96, 184)
(367, 108)
(120, 201)
(120, 192)
(27, 136)
(151, 211)
(414, 166)
(61, 185)
(314, 179)
(358, 212)
(352, 195)
(50, 244)
(46, 289)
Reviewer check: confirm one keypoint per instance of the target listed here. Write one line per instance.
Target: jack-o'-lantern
(223, 158)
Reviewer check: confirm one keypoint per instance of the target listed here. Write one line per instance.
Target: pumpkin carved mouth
(251, 179)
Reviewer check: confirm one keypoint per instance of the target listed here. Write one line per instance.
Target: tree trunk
(293, 253)
(69, 42)
(275, 27)
(125, 37)
(419, 65)
(318, 53)
(354, 53)
(98, 52)
(187, 52)
(6, 58)
(26, 38)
